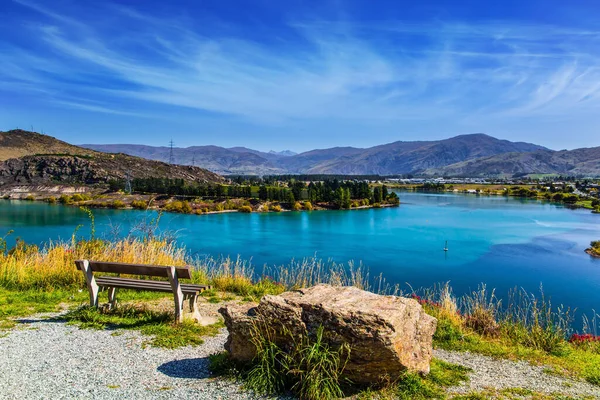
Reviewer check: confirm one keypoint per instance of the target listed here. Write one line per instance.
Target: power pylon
(171, 158)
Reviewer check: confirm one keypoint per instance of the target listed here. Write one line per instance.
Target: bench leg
(177, 293)
(84, 265)
(194, 308)
(112, 298)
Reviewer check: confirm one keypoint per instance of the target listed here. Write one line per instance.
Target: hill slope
(18, 143)
(578, 162)
(72, 164)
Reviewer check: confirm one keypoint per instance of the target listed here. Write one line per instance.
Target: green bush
(276, 208)
(30, 197)
(65, 199)
(245, 209)
(179, 206)
(307, 206)
(139, 204)
(51, 200)
(118, 204)
(77, 197)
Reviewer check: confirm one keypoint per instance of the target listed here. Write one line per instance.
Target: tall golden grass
(52, 266)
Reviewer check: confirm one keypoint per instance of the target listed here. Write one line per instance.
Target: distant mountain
(40, 159)
(388, 159)
(235, 160)
(578, 162)
(413, 157)
(285, 153)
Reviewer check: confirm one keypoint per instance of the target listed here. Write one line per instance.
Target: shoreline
(573, 206)
(128, 206)
(592, 252)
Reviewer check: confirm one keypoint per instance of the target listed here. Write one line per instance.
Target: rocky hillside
(388, 159)
(75, 165)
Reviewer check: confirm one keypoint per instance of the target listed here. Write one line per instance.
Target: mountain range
(475, 155)
(29, 156)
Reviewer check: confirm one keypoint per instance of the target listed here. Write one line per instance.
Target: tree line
(336, 192)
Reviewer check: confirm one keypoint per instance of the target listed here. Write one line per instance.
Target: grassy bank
(594, 249)
(526, 327)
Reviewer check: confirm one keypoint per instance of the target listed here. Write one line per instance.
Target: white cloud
(337, 70)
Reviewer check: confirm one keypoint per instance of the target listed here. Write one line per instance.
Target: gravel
(502, 374)
(44, 358)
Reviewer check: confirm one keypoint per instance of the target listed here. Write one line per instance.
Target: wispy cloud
(321, 69)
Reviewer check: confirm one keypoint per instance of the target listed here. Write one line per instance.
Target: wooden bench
(181, 291)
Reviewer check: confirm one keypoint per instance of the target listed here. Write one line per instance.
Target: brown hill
(42, 159)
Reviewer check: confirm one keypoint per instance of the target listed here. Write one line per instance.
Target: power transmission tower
(128, 183)
(171, 159)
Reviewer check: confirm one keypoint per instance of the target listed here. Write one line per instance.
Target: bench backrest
(135, 269)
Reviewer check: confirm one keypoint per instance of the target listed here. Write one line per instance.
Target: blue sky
(301, 74)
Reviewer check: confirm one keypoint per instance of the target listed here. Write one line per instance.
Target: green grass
(573, 361)
(14, 303)
(159, 326)
(585, 204)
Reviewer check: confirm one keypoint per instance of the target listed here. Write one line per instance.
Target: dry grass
(52, 266)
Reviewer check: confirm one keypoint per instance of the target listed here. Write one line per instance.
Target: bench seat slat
(107, 279)
(156, 286)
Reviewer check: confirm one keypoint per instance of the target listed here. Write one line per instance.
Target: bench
(181, 291)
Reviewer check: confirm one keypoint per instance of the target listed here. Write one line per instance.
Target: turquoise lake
(503, 242)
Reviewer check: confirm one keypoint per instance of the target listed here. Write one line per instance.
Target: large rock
(387, 334)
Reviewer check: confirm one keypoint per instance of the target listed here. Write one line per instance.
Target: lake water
(503, 242)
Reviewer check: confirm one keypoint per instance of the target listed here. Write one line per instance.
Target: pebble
(45, 358)
(502, 374)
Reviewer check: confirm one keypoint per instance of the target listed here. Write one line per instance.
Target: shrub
(297, 206)
(30, 197)
(65, 199)
(77, 197)
(51, 200)
(245, 209)
(139, 204)
(265, 208)
(276, 208)
(307, 206)
(117, 204)
(179, 206)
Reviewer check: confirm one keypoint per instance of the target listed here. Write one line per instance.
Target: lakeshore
(502, 241)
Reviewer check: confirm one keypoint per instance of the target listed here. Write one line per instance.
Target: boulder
(387, 334)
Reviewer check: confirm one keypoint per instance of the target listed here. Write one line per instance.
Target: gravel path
(45, 359)
(501, 374)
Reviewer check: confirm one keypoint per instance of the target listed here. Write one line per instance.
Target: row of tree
(337, 192)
